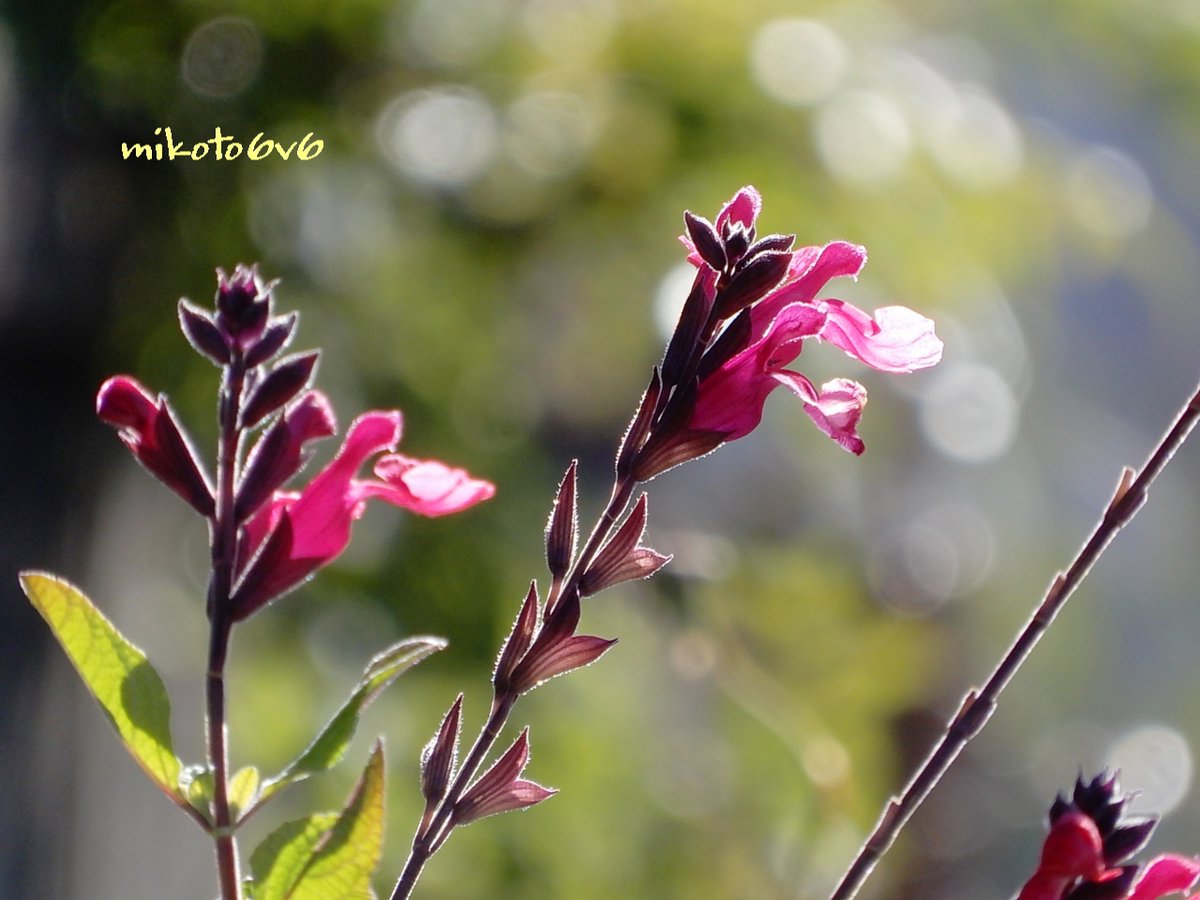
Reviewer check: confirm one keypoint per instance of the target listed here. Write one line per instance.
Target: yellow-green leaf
(341, 868)
(328, 747)
(327, 856)
(129, 690)
(278, 862)
(243, 789)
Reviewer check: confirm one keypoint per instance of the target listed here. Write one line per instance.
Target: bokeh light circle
(798, 61)
(863, 137)
(969, 413)
(444, 136)
(222, 57)
(1155, 762)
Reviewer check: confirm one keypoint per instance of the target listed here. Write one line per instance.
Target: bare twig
(978, 704)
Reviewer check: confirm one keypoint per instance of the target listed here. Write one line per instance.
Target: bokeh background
(487, 241)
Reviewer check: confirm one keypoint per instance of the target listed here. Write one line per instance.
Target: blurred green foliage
(481, 244)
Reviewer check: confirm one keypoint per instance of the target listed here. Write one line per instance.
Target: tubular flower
(733, 388)
(148, 428)
(292, 535)
(1084, 856)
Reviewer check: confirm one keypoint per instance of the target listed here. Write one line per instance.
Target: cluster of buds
(277, 538)
(1090, 840)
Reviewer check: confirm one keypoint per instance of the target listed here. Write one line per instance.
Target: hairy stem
(428, 839)
(224, 543)
(435, 826)
(978, 705)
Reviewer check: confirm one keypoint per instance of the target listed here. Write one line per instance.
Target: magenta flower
(148, 428)
(1085, 851)
(730, 396)
(293, 535)
(1166, 875)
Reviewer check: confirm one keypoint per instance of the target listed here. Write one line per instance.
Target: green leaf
(117, 673)
(329, 746)
(326, 856)
(279, 861)
(197, 785)
(341, 868)
(243, 789)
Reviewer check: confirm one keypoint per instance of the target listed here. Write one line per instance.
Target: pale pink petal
(896, 340)
(1166, 875)
(837, 409)
(426, 487)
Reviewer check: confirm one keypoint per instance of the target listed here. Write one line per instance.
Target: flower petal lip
(426, 486)
(1166, 875)
(895, 340)
(836, 410)
(293, 535)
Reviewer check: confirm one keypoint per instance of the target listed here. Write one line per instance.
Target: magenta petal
(123, 402)
(731, 399)
(1166, 875)
(427, 487)
(896, 340)
(810, 270)
(742, 209)
(274, 559)
(322, 515)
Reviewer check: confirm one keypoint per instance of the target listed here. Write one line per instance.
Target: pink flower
(1085, 852)
(148, 428)
(1073, 851)
(1166, 875)
(293, 535)
(730, 398)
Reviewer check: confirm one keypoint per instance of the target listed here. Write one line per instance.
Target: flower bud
(278, 388)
